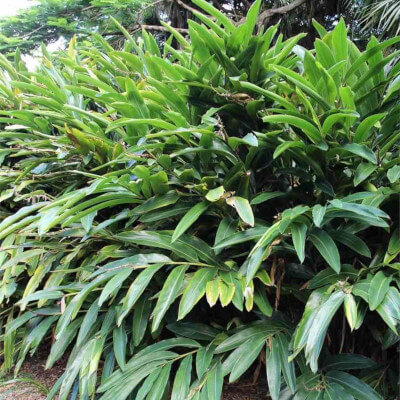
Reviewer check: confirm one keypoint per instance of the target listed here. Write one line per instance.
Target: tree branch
(184, 5)
(148, 28)
(162, 28)
(280, 10)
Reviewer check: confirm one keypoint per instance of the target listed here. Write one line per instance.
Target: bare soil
(244, 391)
(32, 369)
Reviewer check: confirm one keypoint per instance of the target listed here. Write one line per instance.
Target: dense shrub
(173, 219)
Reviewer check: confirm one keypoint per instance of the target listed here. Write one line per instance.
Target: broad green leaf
(288, 368)
(226, 229)
(195, 290)
(329, 276)
(273, 368)
(339, 41)
(358, 388)
(268, 237)
(360, 209)
(308, 128)
(249, 333)
(248, 351)
(319, 28)
(141, 315)
(243, 208)
(160, 384)
(232, 238)
(327, 248)
(361, 151)
(268, 94)
(22, 257)
(147, 385)
(215, 381)
(168, 294)
(318, 213)
(182, 380)
(156, 202)
(340, 392)
(319, 327)
(348, 361)
(136, 289)
(389, 309)
(350, 310)
(378, 289)
(338, 118)
(261, 300)
(393, 247)
(120, 340)
(263, 197)
(351, 241)
(365, 127)
(204, 358)
(194, 330)
(114, 284)
(160, 240)
(287, 145)
(393, 174)
(212, 292)
(215, 194)
(299, 239)
(253, 263)
(189, 219)
(306, 87)
(62, 343)
(220, 17)
(226, 292)
(363, 171)
(393, 88)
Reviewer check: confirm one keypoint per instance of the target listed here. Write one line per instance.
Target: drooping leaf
(195, 290)
(215, 382)
(353, 385)
(243, 208)
(378, 289)
(168, 294)
(182, 380)
(189, 219)
(274, 369)
(327, 248)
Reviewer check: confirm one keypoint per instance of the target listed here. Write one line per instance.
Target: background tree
(51, 19)
(383, 16)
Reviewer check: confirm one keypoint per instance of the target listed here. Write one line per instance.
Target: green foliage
(382, 15)
(173, 219)
(47, 21)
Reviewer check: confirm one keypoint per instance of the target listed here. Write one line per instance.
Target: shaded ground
(33, 370)
(243, 391)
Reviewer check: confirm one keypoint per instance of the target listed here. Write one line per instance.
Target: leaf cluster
(173, 217)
